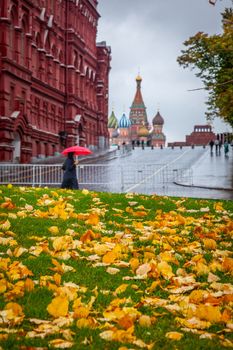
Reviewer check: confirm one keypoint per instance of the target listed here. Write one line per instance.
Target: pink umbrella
(77, 150)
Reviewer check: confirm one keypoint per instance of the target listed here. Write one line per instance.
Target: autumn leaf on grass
(28, 207)
(89, 322)
(19, 251)
(218, 206)
(209, 244)
(113, 255)
(143, 270)
(139, 213)
(101, 249)
(53, 229)
(62, 243)
(29, 285)
(61, 268)
(112, 270)
(3, 285)
(227, 265)
(197, 296)
(89, 235)
(12, 314)
(17, 270)
(153, 286)
(61, 343)
(134, 263)
(174, 335)
(124, 336)
(8, 204)
(201, 268)
(193, 323)
(132, 203)
(144, 321)
(208, 313)
(5, 225)
(168, 257)
(109, 257)
(165, 269)
(212, 278)
(58, 307)
(125, 322)
(57, 279)
(80, 310)
(93, 219)
(121, 289)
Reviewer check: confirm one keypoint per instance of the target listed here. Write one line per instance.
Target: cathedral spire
(138, 114)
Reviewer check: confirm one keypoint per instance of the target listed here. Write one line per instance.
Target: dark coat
(70, 178)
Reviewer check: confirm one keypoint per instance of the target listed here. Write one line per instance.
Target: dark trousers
(70, 183)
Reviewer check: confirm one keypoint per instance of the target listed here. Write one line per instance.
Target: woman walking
(70, 180)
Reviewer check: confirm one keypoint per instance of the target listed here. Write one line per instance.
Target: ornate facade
(53, 78)
(136, 128)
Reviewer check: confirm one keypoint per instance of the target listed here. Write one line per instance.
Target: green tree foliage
(212, 56)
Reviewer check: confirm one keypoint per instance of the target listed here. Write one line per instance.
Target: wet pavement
(205, 175)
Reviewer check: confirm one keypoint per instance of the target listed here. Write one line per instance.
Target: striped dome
(124, 122)
(112, 121)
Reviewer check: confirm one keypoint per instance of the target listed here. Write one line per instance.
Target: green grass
(136, 229)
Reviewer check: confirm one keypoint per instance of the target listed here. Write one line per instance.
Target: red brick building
(201, 136)
(53, 78)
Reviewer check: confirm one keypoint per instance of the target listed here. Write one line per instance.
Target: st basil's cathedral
(136, 129)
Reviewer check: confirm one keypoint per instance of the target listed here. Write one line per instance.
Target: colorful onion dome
(158, 119)
(124, 122)
(112, 121)
(143, 131)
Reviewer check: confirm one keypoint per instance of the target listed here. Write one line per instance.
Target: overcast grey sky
(148, 36)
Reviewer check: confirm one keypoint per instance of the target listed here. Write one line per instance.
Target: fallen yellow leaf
(58, 307)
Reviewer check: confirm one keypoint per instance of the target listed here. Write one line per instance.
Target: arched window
(23, 49)
(23, 44)
(47, 44)
(61, 56)
(39, 46)
(75, 59)
(3, 9)
(54, 51)
(38, 41)
(13, 36)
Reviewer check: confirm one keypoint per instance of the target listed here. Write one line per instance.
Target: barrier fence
(102, 177)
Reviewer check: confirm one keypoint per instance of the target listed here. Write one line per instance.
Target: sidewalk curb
(206, 187)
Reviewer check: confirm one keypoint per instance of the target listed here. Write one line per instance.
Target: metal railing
(102, 177)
